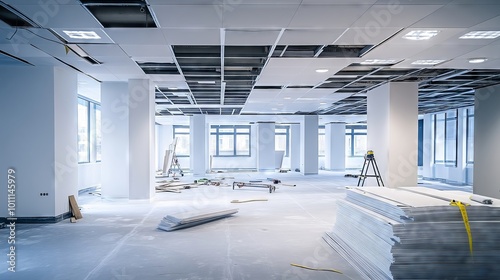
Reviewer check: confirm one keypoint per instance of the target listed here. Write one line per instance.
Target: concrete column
(198, 138)
(335, 146)
(392, 132)
(309, 145)
(486, 139)
(265, 146)
(38, 120)
(141, 138)
(115, 140)
(294, 146)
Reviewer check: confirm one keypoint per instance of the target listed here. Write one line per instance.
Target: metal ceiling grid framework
(217, 58)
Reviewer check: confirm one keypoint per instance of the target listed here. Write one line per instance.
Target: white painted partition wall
(39, 122)
(294, 146)
(265, 146)
(335, 146)
(141, 139)
(392, 132)
(115, 141)
(486, 141)
(309, 145)
(198, 143)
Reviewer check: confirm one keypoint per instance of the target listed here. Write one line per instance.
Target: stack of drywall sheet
(193, 218)
(414, 233)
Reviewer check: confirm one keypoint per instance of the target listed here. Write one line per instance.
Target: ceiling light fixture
(477, 60)
(91, 35)
(321, 70)
(287, 98)
(417, 35)
(427, 62)
(207, 82)
(173, 88)
(481, 35)
(378, 61)
(322, 103)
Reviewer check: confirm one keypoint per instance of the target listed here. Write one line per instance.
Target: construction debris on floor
(188, 219)
(418, 233)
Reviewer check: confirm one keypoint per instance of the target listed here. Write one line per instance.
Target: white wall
(38, 120)
(115, 153)
(89, 175)
(459, 174)
(486, 141)
(393, 131)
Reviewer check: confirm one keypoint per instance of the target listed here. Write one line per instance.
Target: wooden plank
(74, 207)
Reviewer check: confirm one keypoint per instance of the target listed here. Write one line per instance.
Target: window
(98, 134)
(470, 135)
(282, 138)
(83, 131)
(230, 140)
(89, 131)
(321, 140)
(355, 140)
(445, 137)
(181, 132)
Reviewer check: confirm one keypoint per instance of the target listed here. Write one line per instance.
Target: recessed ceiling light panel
(417, 35)
(378, 61)
(478, 60)
(481, 35)
(90, 35)
(427, 61)
(321, 70)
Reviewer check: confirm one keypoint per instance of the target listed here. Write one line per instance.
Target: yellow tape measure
(463, 211)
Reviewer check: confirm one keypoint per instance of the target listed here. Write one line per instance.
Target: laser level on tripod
(370, 159)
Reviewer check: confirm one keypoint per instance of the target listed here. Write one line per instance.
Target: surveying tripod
(370, 159)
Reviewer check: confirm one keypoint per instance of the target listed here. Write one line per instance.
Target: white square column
(141, 138)
(38, 118)
(294, 147)
(115, 142)
(393, 133)
(309, 145)
(486, 141)
(198, 138)
(266, 146)
(335, 146)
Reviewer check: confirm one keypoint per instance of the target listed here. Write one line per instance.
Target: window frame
(287, 136)
(235, 134)
(445, 161)
(86, 103)
(174, 133)
(92, 108)
(322, 132)
(352, 132)
(468, 137)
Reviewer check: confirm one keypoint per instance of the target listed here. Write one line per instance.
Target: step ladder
(370, 159)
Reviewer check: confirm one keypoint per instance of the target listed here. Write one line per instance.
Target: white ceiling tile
(258, 16)
(319, 93)
(443, 52)
(462, 63)
(148, 51)
(390, 15)
(134, 36)
(161, 79)
(414, 2)
(490, 51)
(59, 16)
(189, 16)
(339, 2)
(190, 36)
(310, 36)
(327, 16)
(365, 36)
(251, 37)
(454, 16)
(103, 50)
(491, 24)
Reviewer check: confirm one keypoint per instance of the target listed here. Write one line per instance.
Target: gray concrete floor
(119, 239)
